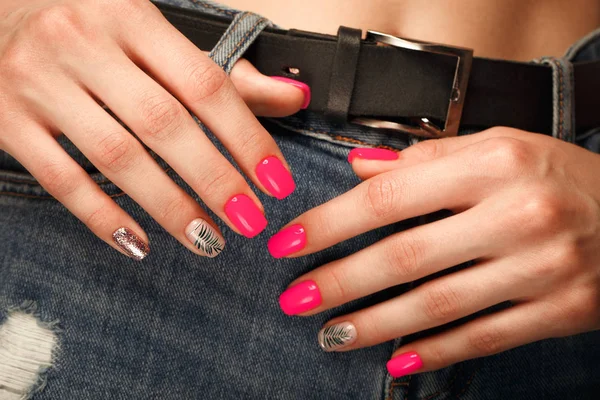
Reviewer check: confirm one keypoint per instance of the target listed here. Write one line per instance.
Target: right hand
(61, 60)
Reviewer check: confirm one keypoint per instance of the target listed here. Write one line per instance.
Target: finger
(491, 334)
(123, 160)
(447, 183)
(269, 96)
(368, 162)
(64, 179)
(202, 86)
(161, 122)
(407, 256)
(433, 304)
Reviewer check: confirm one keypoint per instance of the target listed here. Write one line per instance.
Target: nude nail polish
(300, 85)
(404, 364)
(372, 154)
(300, 298)
(131, 243)
(205, 238)
(338, 336)
(275, 177)
(287, 241)
(245, 215)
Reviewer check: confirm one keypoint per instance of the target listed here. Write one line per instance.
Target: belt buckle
(424, 127)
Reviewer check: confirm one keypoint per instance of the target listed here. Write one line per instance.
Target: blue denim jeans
(179, 326)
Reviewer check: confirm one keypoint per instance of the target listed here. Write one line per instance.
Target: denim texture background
(179, 326)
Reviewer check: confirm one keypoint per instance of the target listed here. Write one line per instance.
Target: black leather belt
(367, 83)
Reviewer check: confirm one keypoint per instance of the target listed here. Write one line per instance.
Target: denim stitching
(228, 33)
(561, 97)
(243, 41)
(448, 385)
(467, 384)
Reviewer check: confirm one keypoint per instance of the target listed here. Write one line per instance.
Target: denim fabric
(179, 326)
(563, 82)
(244, 28)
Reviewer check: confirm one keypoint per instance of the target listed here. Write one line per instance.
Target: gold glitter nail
(131, 244)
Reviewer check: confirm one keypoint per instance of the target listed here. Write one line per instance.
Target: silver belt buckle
(424, 127)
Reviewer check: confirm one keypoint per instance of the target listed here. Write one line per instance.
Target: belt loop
(240, 35)
(563, 99)
(343, 73)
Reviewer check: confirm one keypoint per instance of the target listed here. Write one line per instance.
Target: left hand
(526, 209)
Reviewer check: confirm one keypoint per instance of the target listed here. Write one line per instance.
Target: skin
(526, 206)
(62, 59)
(510, 29)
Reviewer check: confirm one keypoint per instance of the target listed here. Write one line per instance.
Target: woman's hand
(526, 209)
(61, 60)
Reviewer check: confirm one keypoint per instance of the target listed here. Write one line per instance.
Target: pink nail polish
(404, 364)
(300, 85)
(287, 241)
(300, 298)
(372, 154)
(275, 177)
(245, 215)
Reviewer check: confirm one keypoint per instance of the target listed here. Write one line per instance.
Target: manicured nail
(287, 241)
(367, 153)
(404, 364)
(245, 215)
(131, 243)
(300, 85)
(205, 238)
(300, 298)
(275, 177)
(337, 336)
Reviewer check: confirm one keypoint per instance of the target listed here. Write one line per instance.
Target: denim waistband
(246, 27)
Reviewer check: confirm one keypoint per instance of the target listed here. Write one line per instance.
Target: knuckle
(58, 180)
(505, 154)
(405, 255)
(116, 152)
(486, 341)
(381, 196)
(215, 181)
(439, 355)
(429, 149)
(204, 80)
(172, 208)
(57, 22)
(162, 116)
(16, 59)
(441, 303)
(97, 219)
(335, 284)
(544, 209)
(570, 255)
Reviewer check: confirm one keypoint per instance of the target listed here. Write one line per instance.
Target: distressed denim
(180, 326)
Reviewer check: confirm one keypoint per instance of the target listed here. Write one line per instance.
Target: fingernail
(300, 85)
(245, 215)
(300, 298)
(404, 364)
(372, 154)
(131, 243)
(287, 241)
(337, 336)
(275, 177)
(205, 238)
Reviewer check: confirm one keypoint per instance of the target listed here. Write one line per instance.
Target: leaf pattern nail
(205, 238)
(336, 336)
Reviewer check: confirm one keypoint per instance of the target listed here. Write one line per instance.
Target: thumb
(269, 96)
